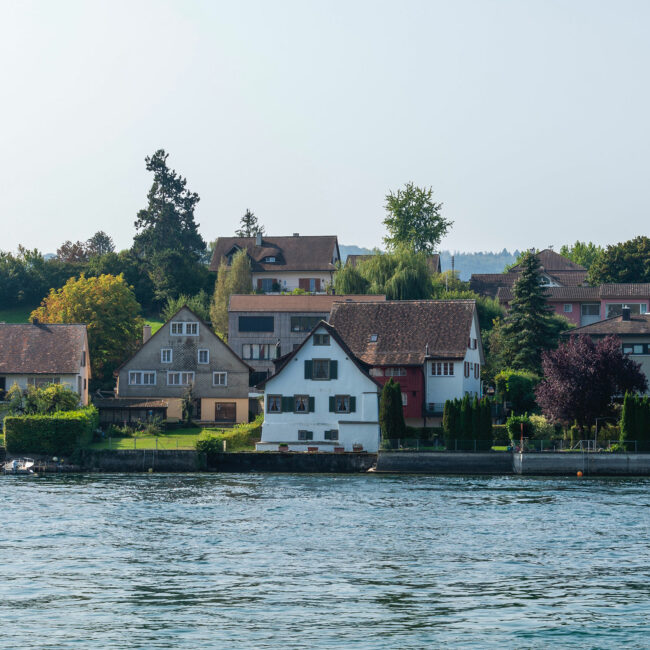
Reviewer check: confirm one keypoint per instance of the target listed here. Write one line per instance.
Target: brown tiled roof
(505, 294)
(42, 348)
(552, 261)
(269, 303)
(404, 329)
(637, 325)
(488, 284)
(298, 253)
(433, 260)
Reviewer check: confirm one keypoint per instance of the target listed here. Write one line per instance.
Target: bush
(241, 437)
(500, 436)
(513, 426)
(541, 428)
(59, 433)
(518, 388)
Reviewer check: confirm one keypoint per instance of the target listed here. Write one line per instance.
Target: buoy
(579, 474)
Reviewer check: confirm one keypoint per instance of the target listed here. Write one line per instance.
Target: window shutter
(353, 404)
(287, 404)
(334, 369)
(259, 284)
(317, 284)
(312, 404)
(332, 407)
(308, 368)
(303, 283)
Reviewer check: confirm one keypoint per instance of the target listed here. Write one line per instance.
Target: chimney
(258, 239)
(626, 313)
(146, 333)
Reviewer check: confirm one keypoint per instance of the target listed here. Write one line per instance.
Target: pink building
(586, 305)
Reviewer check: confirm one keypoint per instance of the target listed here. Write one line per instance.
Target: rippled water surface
(297, 561)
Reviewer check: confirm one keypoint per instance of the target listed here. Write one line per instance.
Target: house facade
(586, 305)
(431, 347)
(555, 271)
(633, 331)
(321, 399)
(185, 353)
(282, 264)
(38, 354)
(262, 328)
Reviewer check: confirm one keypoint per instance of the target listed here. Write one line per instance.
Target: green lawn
(155, 321)
(176, 439)
(16, 314)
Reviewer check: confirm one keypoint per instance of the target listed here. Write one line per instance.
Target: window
(269, 260)
(179, 328)
(261, 351)
(43, 381)
(467, 368)
(472, 344)
(442, 368)
(643, 308)
(83, 358)
(405, 399)
(321, 339)
(477, 371)
(616, 309)
(321, 369)
(332, 434)
(219, 378)
(305, 435)
(266, 284)
(166, 355)
(256, 324)
(142, 378)
(304, 323)
(341, 404)
(568, 307)
(590, 309)
(373, 338)
(395, 372)
(636, 348)
(301, 403)
(274, 404)
(180, 378)
(376, 372)
(204, 356)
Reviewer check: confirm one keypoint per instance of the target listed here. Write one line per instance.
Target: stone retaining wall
(270, 461)
(590, 464)
(445, 462)
(141, 460)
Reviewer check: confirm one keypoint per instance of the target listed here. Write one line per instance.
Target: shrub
(513, 426)
(518, 388)
(241, 437)
(500, 436)
(59, 433)
(541, 427)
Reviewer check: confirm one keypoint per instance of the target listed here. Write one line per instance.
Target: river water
(324, 561)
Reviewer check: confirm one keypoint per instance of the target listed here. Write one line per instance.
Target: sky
(529, 119)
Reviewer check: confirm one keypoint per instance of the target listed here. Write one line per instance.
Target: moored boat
(19, 466)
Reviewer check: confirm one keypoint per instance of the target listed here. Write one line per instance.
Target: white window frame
(441, 366)
(568, 307)
(162, 355)
(185, 328)
(219, 373)
(395, 371)
(140, 374)
(198, 356)
(180, 373)
(405, 399)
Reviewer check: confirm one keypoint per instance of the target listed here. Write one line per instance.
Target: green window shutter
(287, 404)
(312, 404)
(308, 368)
(334, 369)
(332, 404)
(353, 404)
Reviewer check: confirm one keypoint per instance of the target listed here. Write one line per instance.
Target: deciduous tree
(106, 304)
(583, 253)
(582, 376)
(621, 263)
(413, 219)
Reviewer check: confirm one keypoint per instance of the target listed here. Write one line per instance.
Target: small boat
(19, 466)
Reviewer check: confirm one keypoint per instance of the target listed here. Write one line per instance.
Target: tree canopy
(582, 376)
(236, 278)
(106, 304)
(622, 263)
(413, 219)
(583, 253)
(528, 327)
(249, 225)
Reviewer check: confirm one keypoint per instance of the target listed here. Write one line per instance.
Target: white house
(321, 399)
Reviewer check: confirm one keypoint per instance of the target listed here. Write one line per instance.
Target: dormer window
(373, 338)
(269, 260)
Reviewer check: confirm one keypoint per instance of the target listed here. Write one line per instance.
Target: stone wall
(590, 464)
(290, 462)
(489, 462)
(141, 460)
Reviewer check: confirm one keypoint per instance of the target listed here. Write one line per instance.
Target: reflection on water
(324, 561)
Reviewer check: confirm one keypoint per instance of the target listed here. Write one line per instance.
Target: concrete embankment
(489, 462)
(270, 461)
(141, 460)
(590, 464)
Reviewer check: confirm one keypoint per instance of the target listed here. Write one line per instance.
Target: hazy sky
(530, 119)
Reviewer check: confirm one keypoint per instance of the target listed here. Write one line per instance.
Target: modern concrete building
(262, 328)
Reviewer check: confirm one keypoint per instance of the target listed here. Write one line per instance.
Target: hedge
(59, 433)
(241, 437)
